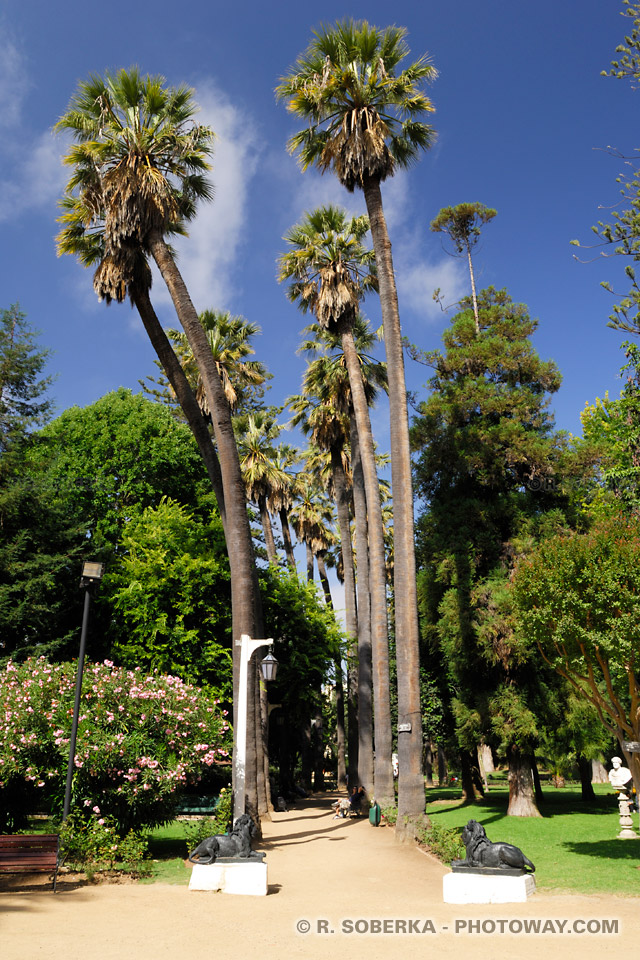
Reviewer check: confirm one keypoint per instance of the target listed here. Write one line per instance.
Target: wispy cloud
(212, 248)
(14, 82)
(34, 175)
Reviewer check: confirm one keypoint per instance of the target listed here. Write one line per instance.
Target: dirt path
(324, 876)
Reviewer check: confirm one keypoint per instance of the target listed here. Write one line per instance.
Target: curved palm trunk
(324, 579)
(238, 531)
(286, 537)
(365, 693)
(182, 389)
(267, 529)
(383, 772)
(411, 795)
(309, 552)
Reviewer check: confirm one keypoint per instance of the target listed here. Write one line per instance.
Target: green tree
(484, 438)
(577, 598)
(139, 164)
(88, 475)
(330, 270)
(621, 237)
(40, 539)
(24, 405)
(364, 121)
(170, 594)
(462, 225)
(606, 459)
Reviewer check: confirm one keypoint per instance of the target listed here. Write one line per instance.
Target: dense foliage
(578, 599)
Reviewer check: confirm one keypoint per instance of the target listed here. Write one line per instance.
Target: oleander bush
(141, 740)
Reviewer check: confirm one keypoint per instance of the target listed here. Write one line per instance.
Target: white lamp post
(269, 666)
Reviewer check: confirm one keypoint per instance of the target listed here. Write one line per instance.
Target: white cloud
(418, 279)
(211, 250)
(13, 82)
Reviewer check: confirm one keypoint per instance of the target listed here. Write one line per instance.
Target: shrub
(141, 739)
(445, 844)
(95, 845)
(198, 830)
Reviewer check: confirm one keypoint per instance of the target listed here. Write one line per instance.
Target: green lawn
(573, 846)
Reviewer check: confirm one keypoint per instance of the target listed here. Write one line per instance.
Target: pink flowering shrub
(141, 740)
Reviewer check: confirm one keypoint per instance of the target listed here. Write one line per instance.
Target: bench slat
(30, 853)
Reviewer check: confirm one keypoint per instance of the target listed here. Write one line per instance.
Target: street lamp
(269, 668)
(92, 573)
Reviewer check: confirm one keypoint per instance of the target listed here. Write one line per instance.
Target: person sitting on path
(358, 794)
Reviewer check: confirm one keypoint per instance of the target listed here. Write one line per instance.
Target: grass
(168, 849)
(573, 845)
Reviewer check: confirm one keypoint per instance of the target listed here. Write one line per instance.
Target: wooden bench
(30, 853)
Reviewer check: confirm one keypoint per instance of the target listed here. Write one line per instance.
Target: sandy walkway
(324, 873)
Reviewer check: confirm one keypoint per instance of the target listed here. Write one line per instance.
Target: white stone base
(248, 879)
(477, 888)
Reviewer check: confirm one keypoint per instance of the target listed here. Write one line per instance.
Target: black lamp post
(91, 574)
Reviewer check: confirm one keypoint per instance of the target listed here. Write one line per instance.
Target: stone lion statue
(236, 844)
(481, 852)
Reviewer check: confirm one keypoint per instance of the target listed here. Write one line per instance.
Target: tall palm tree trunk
(365, 691)
(239, 542)
(383, 772)
(411, 795)
(182, 389)
(324, 578)
(267, 529)
(286, 537)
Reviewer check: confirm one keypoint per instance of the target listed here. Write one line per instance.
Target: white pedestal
(248, 879)
(477, 888)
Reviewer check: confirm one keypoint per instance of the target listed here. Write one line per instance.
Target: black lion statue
(481, 852)
(236, 844)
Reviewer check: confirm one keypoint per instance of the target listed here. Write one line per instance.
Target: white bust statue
(619, 776)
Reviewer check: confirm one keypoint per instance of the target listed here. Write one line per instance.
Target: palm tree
(330, 270)
(229, 339)
(139, 163)
(462, 226)
(264, 479)
(364, 120)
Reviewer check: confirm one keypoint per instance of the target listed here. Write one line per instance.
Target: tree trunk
(309, 561)
(470, 775)
(324, 579)
(286, 537)
(536, 779)
(598, 772)
(411, 796)
(487, 758)
(584, 766)
(340, 731)
(383, 769)
(342, 499)
(353, 733)
(181, 387)
(365, 699)
(521, 793)
(428, 763)
(442, 767)
(267, 529)
(318, 747)
(481, 768)
(238, 530)
(473, 290)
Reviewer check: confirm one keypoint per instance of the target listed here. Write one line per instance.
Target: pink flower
(96, 809)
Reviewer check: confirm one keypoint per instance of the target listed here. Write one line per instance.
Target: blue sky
(522, 116)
